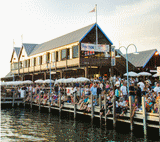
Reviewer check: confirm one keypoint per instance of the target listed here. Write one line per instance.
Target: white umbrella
(48, 81)
(75, 80)
(3, 83)
(155, 75)
(131, 74)
(145, 74)
(96, 80)
(82, 79)
(27, 82)
(39, 81)
(62, 80)
(69, 80)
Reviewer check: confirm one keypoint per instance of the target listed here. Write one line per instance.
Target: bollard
(75, 105)
(114, 111)
(131, 111)
(39, 101)
(105, 107)
(13, 99)
(144, 116)
(92, 109)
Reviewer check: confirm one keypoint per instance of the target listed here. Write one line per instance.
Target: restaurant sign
(93, 47)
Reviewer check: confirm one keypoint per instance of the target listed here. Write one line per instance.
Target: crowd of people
(99, 88)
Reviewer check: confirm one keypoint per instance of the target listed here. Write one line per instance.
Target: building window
(28, 62)
(48, 57)
(63, 54)
(34, 63)
(56, 56)
(68, 54)
(25, 63)
(75, 51)
(40, 60)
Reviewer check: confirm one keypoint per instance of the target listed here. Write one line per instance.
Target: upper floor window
(75, 51)
(63, 54)
(56, 56)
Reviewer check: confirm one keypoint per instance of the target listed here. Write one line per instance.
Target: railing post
(100, 106)
(39, 101)
(13, 99)
(114, 111)
(75, 105)
(60, 102)
(92, 109)
(144, 116)
(131, 112)
(105, 111)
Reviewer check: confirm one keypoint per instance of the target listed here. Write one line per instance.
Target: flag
(94, 10)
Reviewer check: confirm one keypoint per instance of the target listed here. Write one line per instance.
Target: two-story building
(70, 55)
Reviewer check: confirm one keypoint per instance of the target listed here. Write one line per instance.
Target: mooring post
(114, 111)
(100, 106)
(159, 116)
(144, 116)
(31, 99)
(131, 111)
(13, 99)
(39, 101)
(75, 105)
(105, 107)
(60, 102)
(24, 98)
(92, 109)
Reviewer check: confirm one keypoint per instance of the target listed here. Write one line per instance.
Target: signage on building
(113, 59)
(158, 71)
(93, 47)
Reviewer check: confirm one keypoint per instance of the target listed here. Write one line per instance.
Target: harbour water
(22, 124)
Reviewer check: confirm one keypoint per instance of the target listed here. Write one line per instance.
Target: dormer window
(14, 58)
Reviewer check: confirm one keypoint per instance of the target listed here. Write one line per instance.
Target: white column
(70, 53)
(59, 55)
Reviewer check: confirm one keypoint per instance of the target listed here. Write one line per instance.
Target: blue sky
(123, 21)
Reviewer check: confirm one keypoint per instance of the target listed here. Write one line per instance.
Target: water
(19, 124)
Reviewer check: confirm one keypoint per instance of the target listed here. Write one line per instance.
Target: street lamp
(127, 61)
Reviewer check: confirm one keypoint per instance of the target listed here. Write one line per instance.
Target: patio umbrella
(155, 75)
(48, 81)
(27, 82)
(39, 81)
(131, 74)
(69, 80)
(145, 74)
(82, 79)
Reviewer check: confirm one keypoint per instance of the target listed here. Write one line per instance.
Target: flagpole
(96, 27)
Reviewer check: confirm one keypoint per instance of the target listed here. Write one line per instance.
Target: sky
(123, 21)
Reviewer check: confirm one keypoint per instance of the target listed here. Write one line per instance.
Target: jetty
(141, 117)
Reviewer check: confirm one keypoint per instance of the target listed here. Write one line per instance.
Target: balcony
(95, 62)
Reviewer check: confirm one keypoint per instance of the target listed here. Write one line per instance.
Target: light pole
(126, 48)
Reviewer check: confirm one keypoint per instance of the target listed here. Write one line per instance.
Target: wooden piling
(105, 107)
(100, 106)
(49, 108)
(60, 102)
(31, 100)
(75, 105)
(144, 116)
(114, 111)
(13, 99)
(92, 109)
(131, 111)
(39, 101)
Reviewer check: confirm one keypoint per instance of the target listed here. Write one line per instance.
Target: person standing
(138, 93)
(132, 92)
(123, 90)
(94, 90)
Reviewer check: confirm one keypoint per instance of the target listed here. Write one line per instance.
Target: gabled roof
(17, 51)
(28, 48)
(141, 59)
(72, 37)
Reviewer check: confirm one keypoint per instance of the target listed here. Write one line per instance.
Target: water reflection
(31, 125)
